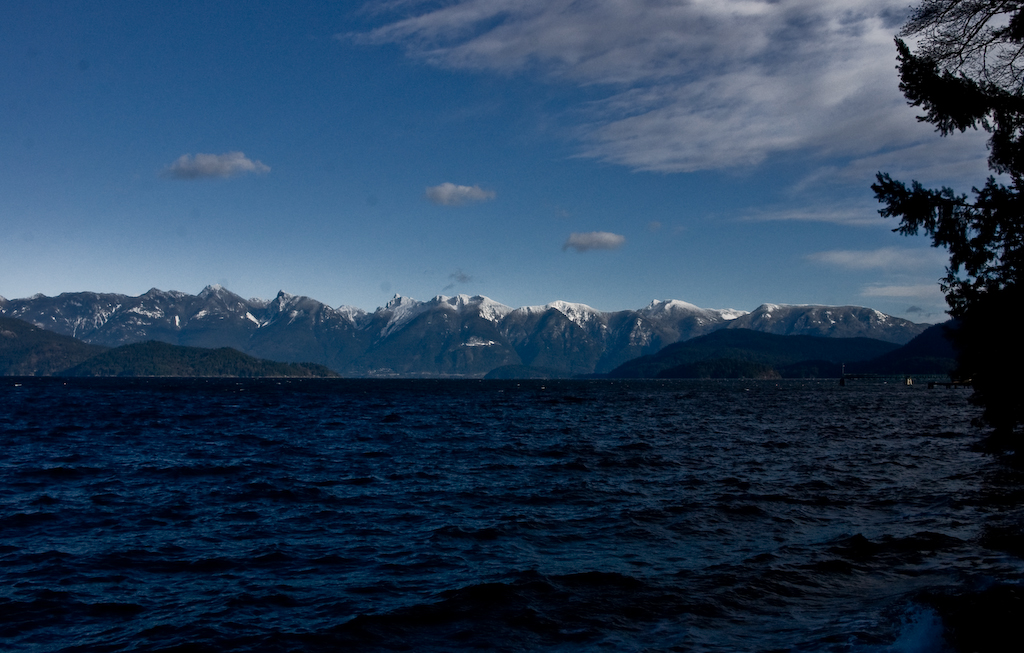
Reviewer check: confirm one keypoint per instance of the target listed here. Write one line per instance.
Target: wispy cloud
(449, 194)
(934, 161)
(588, 240)
(207, 166)
(457, 277)
(922, 291)
(885, 258)
(684, 86)
(460, 277)
(860, 216)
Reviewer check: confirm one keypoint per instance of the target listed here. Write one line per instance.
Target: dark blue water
(322, 515)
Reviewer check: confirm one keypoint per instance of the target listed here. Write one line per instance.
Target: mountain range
(446, 336)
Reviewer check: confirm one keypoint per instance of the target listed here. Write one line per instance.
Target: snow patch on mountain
(156, 313)
(641, 334)
(475, 341)
(352, 314)
(729, 313)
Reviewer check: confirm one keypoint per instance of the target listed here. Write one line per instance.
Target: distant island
(743, 353)
(27, 350)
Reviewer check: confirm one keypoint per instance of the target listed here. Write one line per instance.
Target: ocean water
(371, 515)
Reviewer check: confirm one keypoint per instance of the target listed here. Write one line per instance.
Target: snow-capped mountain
(458, 336)
(827, 321)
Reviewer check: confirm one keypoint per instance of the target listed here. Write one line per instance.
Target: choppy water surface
(144, 515)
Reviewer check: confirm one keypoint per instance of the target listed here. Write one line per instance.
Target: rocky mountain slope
(445, 336)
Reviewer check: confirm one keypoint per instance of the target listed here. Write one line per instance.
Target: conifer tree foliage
(966, 71)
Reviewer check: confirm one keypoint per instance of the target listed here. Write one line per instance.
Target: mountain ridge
(462, 335)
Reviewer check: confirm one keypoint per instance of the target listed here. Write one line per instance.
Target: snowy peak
(399, 303)
(675, 307)
(579, 314)
(485, 307)
(218, 300)
(399, 300)
(670, 306)
(402, 310)
(213, 290)
(399, 312)
(490, 309)
(282, 300)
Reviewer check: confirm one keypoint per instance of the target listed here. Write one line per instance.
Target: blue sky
(609, 152)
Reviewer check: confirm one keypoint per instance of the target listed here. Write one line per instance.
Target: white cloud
(885, 258)
(587, 240)
(688, 85)
(204, 166)
(449, 194)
